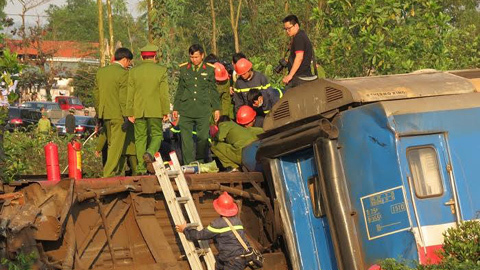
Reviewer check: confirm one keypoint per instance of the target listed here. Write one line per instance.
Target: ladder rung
(183, 199)
(192, 225)
(201, 251)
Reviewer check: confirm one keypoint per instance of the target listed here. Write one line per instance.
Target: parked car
(84, 126)
(54, 112)
(67, 102)
(22, 118)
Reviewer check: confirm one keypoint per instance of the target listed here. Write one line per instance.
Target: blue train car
(365, 169)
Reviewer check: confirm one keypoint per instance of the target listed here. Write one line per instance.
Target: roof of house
(64, 49)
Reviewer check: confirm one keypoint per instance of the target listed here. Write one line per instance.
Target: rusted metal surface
(62, 222)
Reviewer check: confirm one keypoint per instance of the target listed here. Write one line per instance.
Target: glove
(125, 124)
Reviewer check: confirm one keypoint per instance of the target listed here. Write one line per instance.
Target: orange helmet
(221, 73)
(225, 206)
(243, 66)
(245, 115)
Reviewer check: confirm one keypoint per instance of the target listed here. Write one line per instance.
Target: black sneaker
(148, 158)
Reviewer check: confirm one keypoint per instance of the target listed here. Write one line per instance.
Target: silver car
(54, 113)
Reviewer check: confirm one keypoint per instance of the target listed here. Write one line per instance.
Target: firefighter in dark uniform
(230, 250)
(195, 100)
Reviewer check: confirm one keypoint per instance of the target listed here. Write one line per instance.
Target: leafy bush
(461, 251)
(22, 262)
(25, 154)
(462, 244)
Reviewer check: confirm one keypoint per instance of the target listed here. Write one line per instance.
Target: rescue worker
(223, 88)
(263, 101)
(230, 250)
(195, 100)
(110, 104)
(229, 142)
(44, 126)
(70, 122)
(248, 79)
(148, 101)
(246, 117)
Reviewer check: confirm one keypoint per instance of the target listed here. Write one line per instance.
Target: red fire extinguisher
(74, 160)
(51, 159)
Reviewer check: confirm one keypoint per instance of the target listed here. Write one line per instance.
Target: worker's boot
(148, 158)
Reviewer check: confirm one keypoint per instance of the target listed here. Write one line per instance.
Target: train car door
(297, 182)
(427, 173)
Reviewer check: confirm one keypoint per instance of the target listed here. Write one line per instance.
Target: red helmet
(245, 115)
(225, 206)
(221, 73)
(243, 66)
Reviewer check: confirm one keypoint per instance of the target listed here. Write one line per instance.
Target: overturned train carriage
(358, 165)
(122, 223)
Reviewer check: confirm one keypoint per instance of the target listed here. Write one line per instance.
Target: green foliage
(461, 251)
(83, 82)
(392, 264)
(351, 38)
(462, 244)
(25, 154)
(21, 262)
(32, 78)
(78, 21)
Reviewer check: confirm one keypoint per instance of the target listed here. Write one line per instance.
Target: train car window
(424, 166)
(315, 196)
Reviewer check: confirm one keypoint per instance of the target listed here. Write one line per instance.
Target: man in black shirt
(301, 52)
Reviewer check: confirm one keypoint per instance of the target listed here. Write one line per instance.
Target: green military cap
(149, 48)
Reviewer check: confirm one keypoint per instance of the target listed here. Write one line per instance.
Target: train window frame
(315, 192)
(414, 176)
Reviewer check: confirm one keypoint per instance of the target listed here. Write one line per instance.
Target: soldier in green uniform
(148, 102)
(229, 142)
(110, 100)
(195, 100)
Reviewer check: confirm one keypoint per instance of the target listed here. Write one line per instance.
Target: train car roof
(324, 97)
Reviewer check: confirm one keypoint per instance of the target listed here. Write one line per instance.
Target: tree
(9, 68)
(83, 82)
(43, 60)
(77, 20)
(101, 46)
(214, 28)
(234, 22)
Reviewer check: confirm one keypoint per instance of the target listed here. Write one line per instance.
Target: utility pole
(110, 28)
(100, 33)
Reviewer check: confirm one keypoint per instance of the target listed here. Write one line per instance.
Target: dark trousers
(235, 264)
(293, 83)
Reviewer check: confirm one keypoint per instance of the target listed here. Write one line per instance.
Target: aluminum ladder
(175, 204)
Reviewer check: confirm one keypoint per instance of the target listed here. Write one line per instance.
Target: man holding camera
(301, 54)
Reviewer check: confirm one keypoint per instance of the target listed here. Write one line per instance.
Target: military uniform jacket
(197, 94)
(148, 94)
(111, 92)
(234, 134)
(225, 241)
